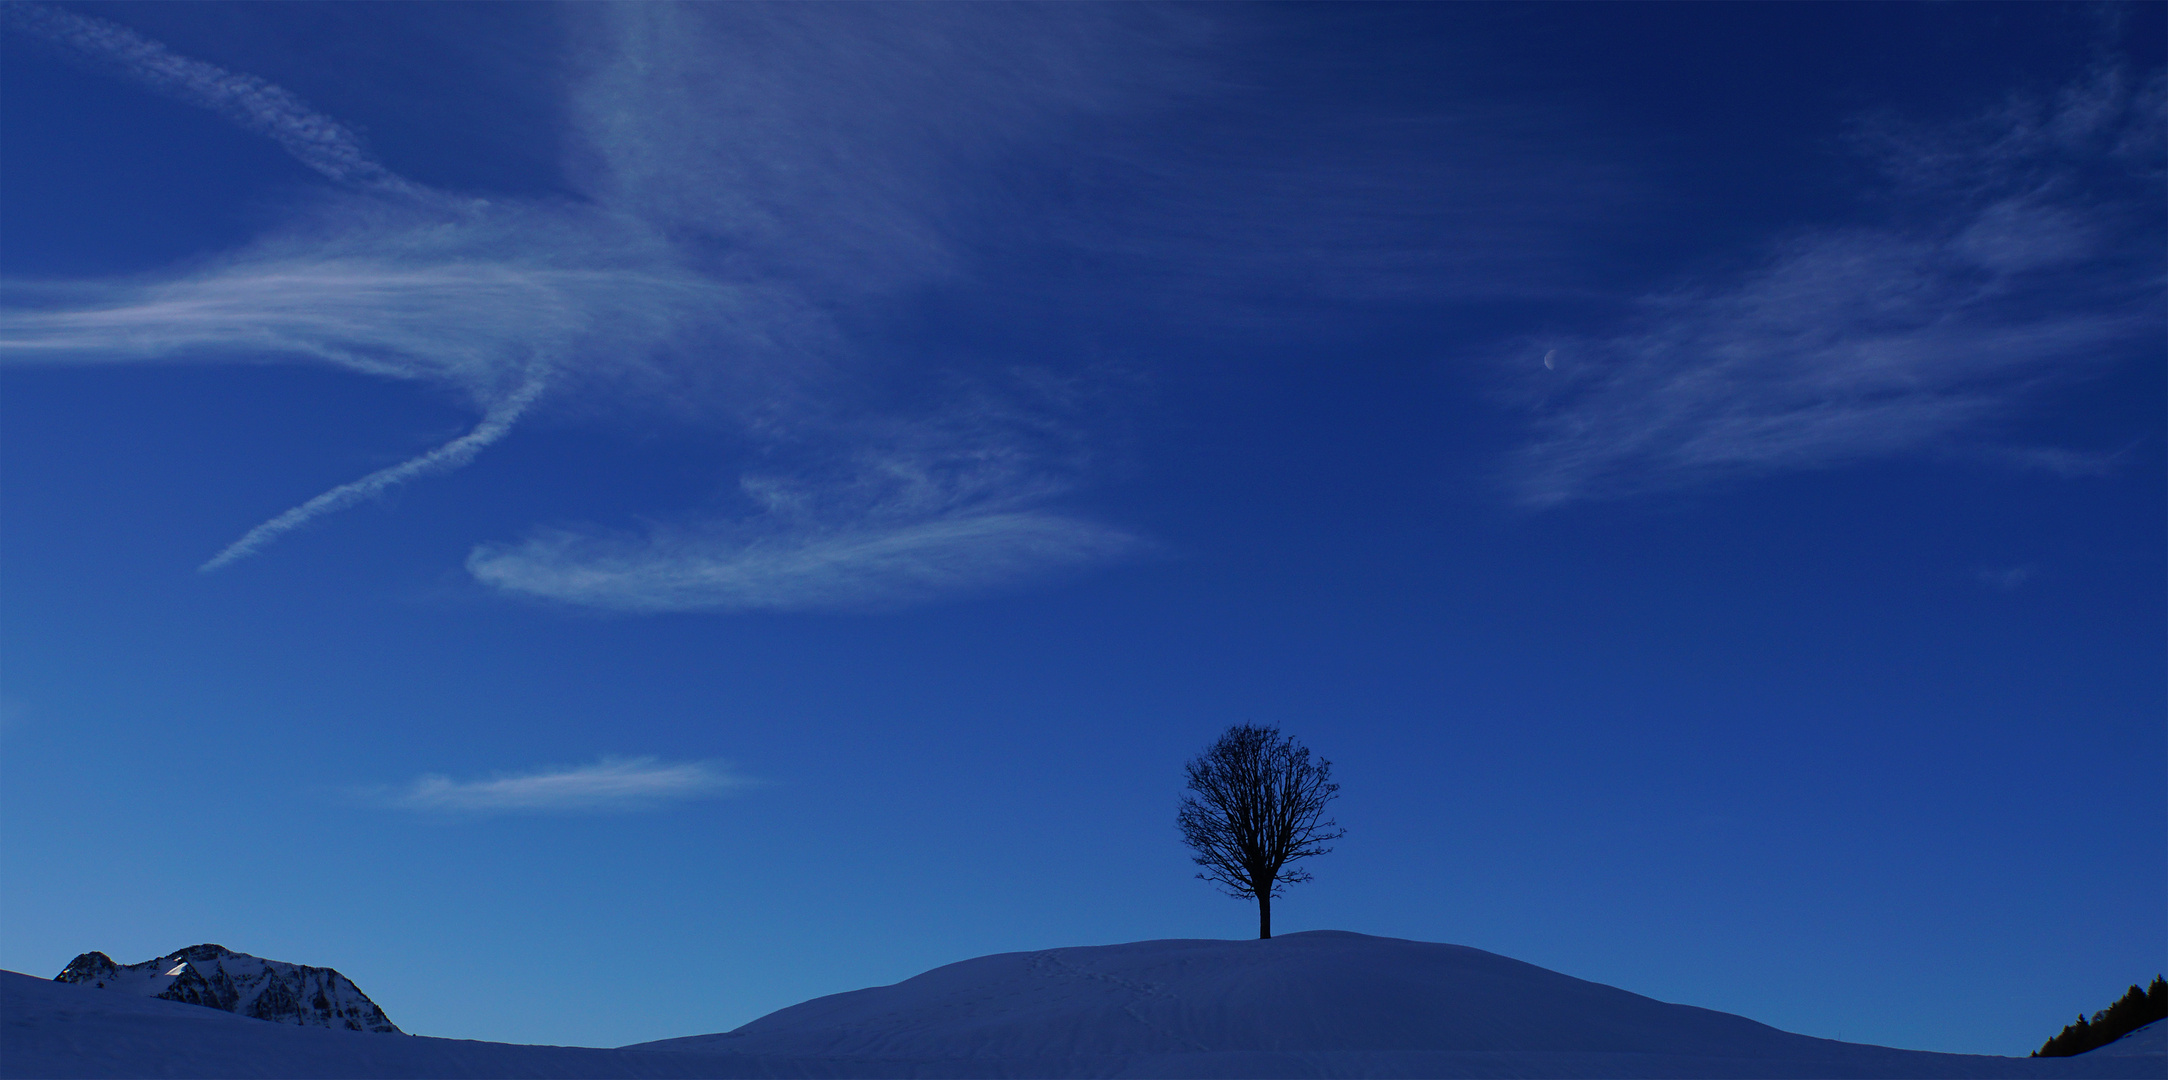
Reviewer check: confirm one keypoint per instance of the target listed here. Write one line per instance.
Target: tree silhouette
(2134, 1010)
(1254, 807)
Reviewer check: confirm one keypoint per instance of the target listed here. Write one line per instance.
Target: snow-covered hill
(54, 1030)
(2150, 1039)
(1318, 992)
(1318, 1004)
(218, 977)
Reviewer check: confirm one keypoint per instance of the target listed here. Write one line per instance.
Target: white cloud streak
(444, 458)
(491, 302)
(611, 784)
(315, 140)
(1859, 343)
(749, 170)
(404, 282)
(447, 298)
(904, 526)
(864, 568)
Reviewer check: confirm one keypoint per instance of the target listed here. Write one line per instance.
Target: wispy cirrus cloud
(611, 784)
(2026, 268)
(745, 174)
(848, 149)
(501, 305)
(392, 279)
(852, 568)
(470, 294)
(933, 516)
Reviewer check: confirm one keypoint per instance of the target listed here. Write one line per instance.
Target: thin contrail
(451, 455)
(316, 140)
(312, 138)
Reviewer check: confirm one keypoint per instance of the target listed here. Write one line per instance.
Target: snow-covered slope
(2150, 1039)
(54, 1030)
(218, 977)
(1323, 1003)
(1312, 992)
(1303, 1005)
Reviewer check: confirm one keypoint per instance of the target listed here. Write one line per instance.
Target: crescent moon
(1547, 365)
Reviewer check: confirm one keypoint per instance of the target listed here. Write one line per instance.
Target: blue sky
(600, 522)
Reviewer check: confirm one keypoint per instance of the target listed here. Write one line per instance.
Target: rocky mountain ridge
(219, 978)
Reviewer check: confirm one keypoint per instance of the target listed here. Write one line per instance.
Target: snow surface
(1320, 1004)
(2150, 1039)
(1322, 991)
(59, 1030)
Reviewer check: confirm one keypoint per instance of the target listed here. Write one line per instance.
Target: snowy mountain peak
(217, 977)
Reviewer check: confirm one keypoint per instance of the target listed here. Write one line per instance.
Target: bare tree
(1253, 808)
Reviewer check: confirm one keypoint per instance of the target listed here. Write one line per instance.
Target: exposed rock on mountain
(218, 977)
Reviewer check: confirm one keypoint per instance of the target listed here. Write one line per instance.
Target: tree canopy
(1255, 806)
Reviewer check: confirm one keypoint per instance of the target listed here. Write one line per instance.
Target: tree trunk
(1264, 915)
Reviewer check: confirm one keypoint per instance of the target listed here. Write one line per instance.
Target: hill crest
(1310, 992)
